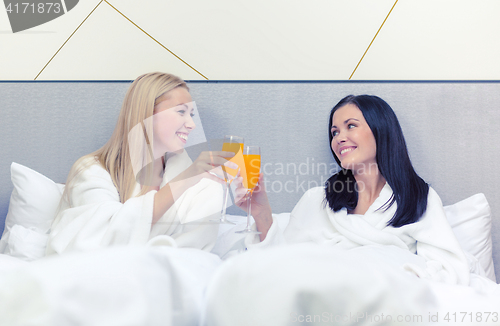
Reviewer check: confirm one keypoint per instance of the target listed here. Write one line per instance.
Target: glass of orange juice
(231, 144)
(251, 157)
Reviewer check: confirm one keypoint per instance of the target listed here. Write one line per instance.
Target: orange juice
(252, 167)
(237, 149)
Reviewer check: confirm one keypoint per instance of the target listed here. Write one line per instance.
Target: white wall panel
(24, 54)
(429, 39)
(4, 22)
(108, 46)
(261, 40)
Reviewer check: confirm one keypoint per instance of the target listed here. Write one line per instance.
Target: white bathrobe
(431, 238)
(98, 219)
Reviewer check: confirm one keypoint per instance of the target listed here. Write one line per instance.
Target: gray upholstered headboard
(451, 130)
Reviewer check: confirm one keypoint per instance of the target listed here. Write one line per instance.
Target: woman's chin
(353, 166)
(347, 165)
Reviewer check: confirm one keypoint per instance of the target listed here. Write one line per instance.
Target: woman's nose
(340, 138)
(189, 124)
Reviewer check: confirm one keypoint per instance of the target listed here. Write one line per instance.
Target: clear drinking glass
(251, 157)
(231, 144)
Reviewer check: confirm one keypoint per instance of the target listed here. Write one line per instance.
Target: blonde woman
(141, 185)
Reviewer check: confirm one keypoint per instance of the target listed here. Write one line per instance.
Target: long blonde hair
(114, 156)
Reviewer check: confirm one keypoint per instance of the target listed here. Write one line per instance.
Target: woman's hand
(261, 209)
(207, 165)
(260, 202)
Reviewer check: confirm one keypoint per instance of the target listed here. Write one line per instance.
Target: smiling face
(172, 121)
(353, 141)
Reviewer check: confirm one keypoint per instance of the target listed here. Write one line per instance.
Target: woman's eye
(350, 126)
(182, 111)
(335, 133)
(192, 115)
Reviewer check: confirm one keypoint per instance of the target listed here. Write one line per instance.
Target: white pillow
(32, 209)
(470, 220)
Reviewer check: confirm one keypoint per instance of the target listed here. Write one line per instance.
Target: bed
(450, 129)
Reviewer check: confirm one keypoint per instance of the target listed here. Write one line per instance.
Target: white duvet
(314, 284)
(287, 285)
(337, 269)
(119, 286)
(304, 283)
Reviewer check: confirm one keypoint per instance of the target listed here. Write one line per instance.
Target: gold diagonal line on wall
(187, 64)
(68, 39)
(373, 39)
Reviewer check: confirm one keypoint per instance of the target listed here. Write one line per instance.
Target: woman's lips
(346, 150)
(183, 137)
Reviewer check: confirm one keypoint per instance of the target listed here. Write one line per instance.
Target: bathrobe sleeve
(438, 245)
(188, 221)
(97, 218)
